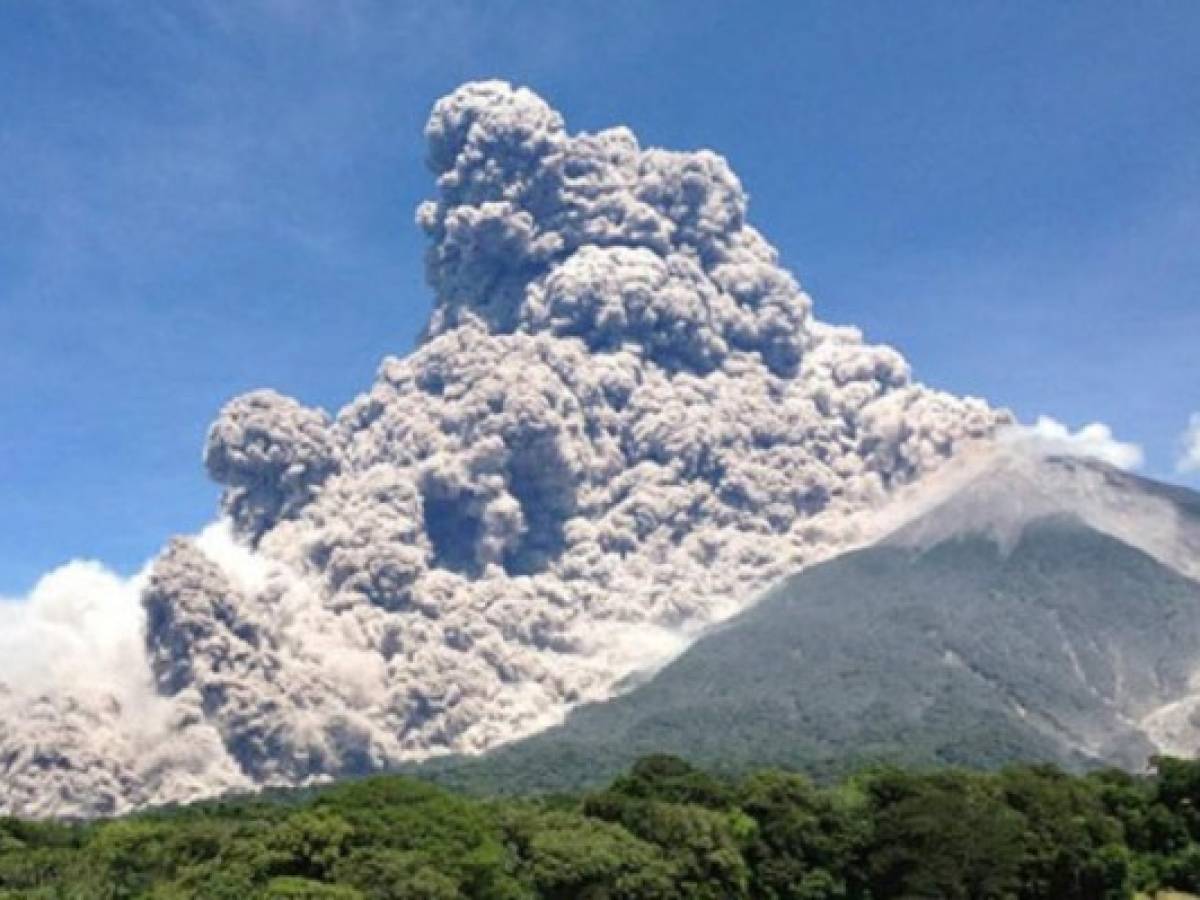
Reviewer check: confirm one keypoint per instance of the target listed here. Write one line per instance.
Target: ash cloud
(621, 424)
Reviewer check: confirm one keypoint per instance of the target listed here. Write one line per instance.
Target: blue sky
(196, 200)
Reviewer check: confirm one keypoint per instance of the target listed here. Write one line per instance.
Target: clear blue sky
(196, 200)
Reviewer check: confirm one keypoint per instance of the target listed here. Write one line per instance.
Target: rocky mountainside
(1024, 609)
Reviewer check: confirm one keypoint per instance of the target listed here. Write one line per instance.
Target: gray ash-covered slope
(1012, 619)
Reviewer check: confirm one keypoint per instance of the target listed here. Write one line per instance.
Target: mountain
(1023, 609)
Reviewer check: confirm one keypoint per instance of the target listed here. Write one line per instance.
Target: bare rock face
(621, 424)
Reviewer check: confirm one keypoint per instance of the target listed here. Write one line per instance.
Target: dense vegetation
(663, 830)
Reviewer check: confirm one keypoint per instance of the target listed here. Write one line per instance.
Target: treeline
(663, 830)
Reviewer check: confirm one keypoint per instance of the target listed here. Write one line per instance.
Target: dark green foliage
(1179, 791)
(947, 835)
(674, 780)
(563, 855)
(1071, 847)
(806, 841)
(664, 830)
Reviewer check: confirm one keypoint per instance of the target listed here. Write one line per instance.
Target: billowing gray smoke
(622, 422)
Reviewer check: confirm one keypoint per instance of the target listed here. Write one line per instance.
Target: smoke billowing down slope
(622, 422)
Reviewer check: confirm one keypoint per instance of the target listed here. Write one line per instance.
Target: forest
(663, 829)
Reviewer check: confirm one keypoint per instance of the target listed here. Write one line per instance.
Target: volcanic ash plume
(622, 422)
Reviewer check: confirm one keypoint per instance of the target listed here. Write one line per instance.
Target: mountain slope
(976, 634)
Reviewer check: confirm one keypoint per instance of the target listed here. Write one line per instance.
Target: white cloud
(80, 627)
(1189, 458)
(1095, 441)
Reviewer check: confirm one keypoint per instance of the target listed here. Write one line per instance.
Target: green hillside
(961, 654)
